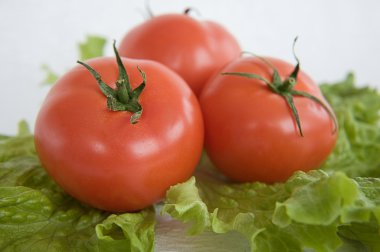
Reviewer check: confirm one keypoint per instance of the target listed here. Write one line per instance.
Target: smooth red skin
(193, 49)
(250, 132)
(99, 157)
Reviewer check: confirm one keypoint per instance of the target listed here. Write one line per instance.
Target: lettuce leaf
(36, 215)
(357, 110)
(330, 209)
(50, 76)
(92, 47)
(313, 210)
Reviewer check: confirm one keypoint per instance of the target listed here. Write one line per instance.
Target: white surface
(334, 37)
(171, 237)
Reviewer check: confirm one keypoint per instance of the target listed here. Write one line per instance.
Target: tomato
(251, 133)
(98, 156)
(194, 49)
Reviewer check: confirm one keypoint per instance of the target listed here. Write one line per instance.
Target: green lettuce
(92, 47)
(50, 76)
(335, 208)
(314, 210)
(37, 215)
(357, 110)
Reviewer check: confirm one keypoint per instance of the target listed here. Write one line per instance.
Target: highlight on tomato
(194, 49)
(265, 119)
(116, 134)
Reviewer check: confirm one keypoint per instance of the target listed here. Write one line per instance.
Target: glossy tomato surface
(192, 48)
(99, 157)
(250, 131)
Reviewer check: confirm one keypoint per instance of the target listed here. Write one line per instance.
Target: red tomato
(250, 131)
(193, 49)
(99, 157)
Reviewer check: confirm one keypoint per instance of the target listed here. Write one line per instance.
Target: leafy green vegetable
(92, 47)
(310, 211)
(127, 232)
(36, 215)
(22, 145)
(357, 110)
(322, 210)
(189, 203)
(51, 76)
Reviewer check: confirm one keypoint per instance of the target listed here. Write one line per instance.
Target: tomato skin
(193, 49)
(250, 132)
(99, 157)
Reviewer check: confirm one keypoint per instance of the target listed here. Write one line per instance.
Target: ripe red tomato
(250, 131)
(193, 49)
(98, 156)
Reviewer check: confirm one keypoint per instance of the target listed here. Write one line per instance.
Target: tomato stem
(123, 97)
(148, 9)
(191, 9)
(286, 88)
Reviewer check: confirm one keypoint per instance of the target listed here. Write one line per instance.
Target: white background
(334, 37)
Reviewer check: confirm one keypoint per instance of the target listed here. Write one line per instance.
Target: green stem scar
(123, 97)
(286, 89)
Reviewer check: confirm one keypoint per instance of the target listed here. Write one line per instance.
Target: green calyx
(123, 97)
(285, 88)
